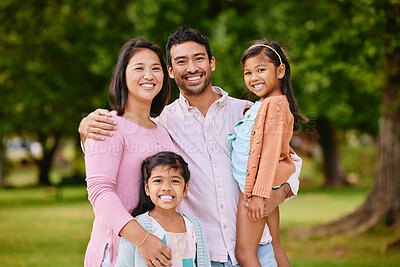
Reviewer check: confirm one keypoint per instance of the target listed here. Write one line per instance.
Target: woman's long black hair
(166, 158)
(118, 91)
(286, 84)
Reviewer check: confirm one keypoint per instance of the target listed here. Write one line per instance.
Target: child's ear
(281, 71)
(146, 188)
(186, 190)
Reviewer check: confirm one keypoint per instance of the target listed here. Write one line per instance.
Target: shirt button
(224, 226)
(248, 115)
(222, 206)
(253, 132)
(253, 165)
(258, 156)
(258, 141)
(248, 173)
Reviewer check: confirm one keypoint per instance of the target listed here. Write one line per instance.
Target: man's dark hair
(185, 34)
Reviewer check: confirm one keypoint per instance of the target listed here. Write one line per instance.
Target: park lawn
(46, 227)
(317, 206)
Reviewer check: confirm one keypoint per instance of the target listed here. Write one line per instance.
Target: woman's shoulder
(124, 125)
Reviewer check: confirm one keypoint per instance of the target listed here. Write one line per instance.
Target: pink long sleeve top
(113, 181)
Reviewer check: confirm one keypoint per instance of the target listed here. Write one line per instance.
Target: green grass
(313, 207)
(40, 228)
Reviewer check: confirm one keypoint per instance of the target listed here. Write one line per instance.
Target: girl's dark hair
(118, 92)
(185, 34)
(165, 158)
(286, 85)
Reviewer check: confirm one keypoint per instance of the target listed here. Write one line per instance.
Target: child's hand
(256, 208)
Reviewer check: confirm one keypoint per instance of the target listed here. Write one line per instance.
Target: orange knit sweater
(269, 162)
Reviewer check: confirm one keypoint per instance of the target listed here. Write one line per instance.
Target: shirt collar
(220, 101)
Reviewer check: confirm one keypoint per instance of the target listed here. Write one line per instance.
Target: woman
(138, 91)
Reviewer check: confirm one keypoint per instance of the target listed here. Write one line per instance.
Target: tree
(45, 65)
(382, 206)
(334, 75)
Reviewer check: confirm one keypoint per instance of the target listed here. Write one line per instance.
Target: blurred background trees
(57, 58)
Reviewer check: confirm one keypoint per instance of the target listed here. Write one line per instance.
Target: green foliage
(41, 49)
(57, 57)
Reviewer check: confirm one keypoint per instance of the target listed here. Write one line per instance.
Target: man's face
(191, 68)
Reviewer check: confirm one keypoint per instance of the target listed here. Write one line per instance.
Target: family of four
(140, 156)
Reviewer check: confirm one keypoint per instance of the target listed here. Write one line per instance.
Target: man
(199, 122)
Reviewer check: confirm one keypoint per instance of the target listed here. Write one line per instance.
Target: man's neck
(202, 101)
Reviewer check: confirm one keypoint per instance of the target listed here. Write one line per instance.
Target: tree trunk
(334, 175)
(383, 203)
(49, 144)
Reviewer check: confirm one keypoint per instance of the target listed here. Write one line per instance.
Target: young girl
(260, 148)
(165, 178)
(140, 87)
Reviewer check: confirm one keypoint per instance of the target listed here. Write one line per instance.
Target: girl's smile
(262, 77)
(166, 187)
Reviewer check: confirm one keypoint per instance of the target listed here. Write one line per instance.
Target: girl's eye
(176, 181)
(199, 58)
(261, 70)
(157, 181)
(156, 68)
(247, 73)
(138, 68)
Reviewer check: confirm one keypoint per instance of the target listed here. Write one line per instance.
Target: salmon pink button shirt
(213, 193)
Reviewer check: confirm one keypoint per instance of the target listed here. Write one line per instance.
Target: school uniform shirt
(213, 193)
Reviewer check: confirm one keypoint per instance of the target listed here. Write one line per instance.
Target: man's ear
(281, 71)
(171, 72)
(146, 188)
(212, 63)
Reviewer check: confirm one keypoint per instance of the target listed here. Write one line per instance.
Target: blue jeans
(265, 256)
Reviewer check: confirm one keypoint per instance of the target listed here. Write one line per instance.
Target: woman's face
(144, 76)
